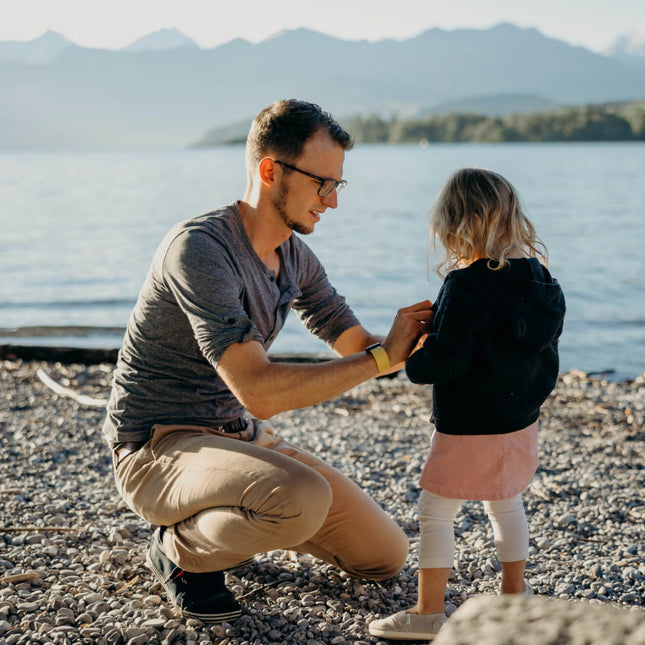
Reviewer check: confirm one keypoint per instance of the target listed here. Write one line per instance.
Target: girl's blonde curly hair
(478, 215)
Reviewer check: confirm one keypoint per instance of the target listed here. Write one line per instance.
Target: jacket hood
(529, 302)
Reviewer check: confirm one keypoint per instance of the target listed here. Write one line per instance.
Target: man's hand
(409, 325)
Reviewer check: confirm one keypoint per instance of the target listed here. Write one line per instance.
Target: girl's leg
(511, 532)
(432, 591)
(513, 577)
(436, 555)
(436, 550)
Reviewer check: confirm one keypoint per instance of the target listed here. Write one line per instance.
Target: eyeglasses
(327, 184)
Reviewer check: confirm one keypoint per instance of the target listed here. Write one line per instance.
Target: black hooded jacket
(492, 354)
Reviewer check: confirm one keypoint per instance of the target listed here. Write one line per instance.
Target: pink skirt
(481, 467)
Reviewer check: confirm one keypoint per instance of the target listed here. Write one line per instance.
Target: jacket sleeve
(448, 350)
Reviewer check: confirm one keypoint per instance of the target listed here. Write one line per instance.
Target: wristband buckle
(380, 356)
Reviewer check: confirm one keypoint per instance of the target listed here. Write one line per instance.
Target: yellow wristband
(380, 356)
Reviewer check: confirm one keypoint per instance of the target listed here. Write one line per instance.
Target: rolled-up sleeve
(199, 275)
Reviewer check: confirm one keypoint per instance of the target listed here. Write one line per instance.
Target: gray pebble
(583, 506)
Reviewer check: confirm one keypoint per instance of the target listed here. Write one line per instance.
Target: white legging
(436, 518)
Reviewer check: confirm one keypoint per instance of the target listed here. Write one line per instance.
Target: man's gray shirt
(205, 290)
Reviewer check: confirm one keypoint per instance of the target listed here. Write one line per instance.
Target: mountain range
(164, 91)
(629, 50)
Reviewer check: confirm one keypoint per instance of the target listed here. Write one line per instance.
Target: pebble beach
(72, 555)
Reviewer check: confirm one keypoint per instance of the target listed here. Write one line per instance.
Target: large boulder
(517, 620)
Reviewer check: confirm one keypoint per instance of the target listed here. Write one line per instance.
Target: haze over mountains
(165, 91)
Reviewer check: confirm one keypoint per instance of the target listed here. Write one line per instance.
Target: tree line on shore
(606, 122)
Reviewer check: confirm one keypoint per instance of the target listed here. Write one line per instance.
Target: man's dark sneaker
(198, 595)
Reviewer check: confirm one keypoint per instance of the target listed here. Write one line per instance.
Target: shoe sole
(221, 617)
(402, 636)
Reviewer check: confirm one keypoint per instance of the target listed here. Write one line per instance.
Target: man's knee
(385, 562)
(396, 558)
(305, 500)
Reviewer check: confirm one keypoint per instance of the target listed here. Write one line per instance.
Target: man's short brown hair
(283, 128)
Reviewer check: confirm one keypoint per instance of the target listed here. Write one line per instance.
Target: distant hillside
(224, 136)
(497, 105)
(60, 95)
(607, 122)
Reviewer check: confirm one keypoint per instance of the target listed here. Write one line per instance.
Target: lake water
(78, 231)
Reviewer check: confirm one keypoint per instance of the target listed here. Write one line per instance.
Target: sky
(113, 24)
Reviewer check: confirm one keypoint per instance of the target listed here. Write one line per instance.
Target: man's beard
(280, 204)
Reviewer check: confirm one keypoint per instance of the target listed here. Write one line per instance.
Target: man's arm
(355, 339)
(265, 388)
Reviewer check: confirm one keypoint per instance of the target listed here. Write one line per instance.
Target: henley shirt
(205, 290)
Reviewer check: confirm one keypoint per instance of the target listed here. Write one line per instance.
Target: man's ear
(266, 170)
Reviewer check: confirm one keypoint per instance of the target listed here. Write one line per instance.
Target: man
(193, 380)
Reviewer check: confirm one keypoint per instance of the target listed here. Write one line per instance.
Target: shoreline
(72, 555)
(98, 355)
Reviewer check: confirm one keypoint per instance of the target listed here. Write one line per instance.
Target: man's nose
(331, 200)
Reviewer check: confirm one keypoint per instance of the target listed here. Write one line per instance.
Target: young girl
(492, 357)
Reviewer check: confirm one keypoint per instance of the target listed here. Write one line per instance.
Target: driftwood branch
(128, 584)
(39, 529)
(12, 491)
(69, 393)
(92, 402)
(22, 577)
(261, 588)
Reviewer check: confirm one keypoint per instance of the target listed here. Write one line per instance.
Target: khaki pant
(224, 499)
